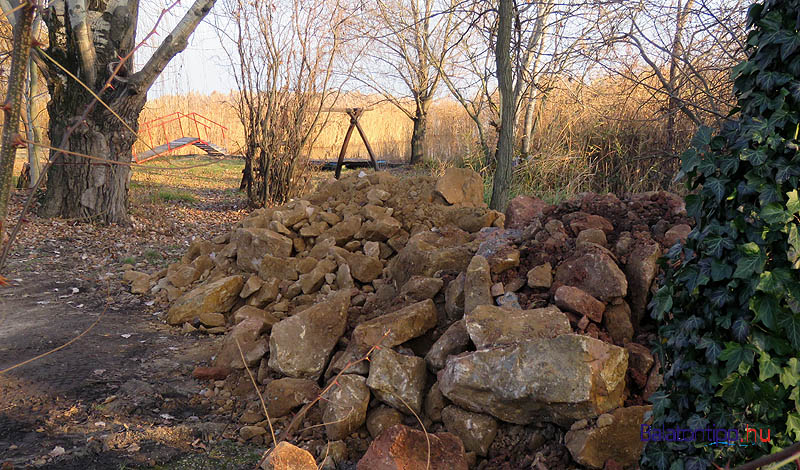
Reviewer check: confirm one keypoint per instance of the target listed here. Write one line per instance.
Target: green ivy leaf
(755, 157)
(790, 375)
(791, 325)
(702, 137)
(751, 262)
(793, 425)
(766, 309)
(774, 213)
(735, 354)
(767, 367)
(793, 205)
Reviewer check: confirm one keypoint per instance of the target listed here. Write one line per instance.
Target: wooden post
(353, 119)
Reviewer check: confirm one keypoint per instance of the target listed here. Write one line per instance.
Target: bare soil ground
(122, 395)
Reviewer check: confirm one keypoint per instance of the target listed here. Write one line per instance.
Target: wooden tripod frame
(354, 114)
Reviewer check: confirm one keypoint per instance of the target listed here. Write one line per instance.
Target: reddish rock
(523, 209)
(575, 300)
(596, 274)
(640, 361)
(211, 373)
(617, 320)
(403, 448)
(591, 221)
(676, 234)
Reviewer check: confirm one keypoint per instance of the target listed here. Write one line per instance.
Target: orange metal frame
(199, 121)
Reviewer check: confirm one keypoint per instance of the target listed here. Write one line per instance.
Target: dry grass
(606, 137)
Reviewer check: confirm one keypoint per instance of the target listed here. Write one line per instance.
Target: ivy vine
(728, 307)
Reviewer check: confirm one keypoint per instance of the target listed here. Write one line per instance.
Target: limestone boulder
(617, 320)
(461, 186)
(618, 439)
(397, 380)
(453, 341)
(561, 379)
(477, 284)
(641, 270)
(248, 336)
(477, 431)
(421, 287)
(490, 326)
(541, 276)
(212, 297)
(454, 298)
(397, 327)
(301, 344)
(345, 406)
(678, 233)
(428, 252)
(274, 267)
(575, 300)
(381, 418)
(284, 395)
(253, 243)
(523, 209)
(289, 457)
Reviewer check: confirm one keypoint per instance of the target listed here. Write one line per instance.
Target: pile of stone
(390, 302)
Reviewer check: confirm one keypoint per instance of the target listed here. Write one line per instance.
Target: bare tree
(405, 46)
(86, 41)
(683, 52)
(284, 66)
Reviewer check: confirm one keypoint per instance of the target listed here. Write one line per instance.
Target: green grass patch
(152, 256)
(171, 195)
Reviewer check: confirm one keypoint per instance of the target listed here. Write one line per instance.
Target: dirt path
(122, 395)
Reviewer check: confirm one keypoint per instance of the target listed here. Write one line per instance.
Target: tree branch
(172, 45)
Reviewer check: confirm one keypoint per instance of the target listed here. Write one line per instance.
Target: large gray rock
(284, 395)
(559, 379)
(397, 327)
(428, 252)
(248, 335)
(397, 380)
(596, 274)
(477, 284)
(488, 325)
(454, 298)
(345, 406)
(454, 340)
(212, 297)
(301, 344)
(640, 270)
(477, 431)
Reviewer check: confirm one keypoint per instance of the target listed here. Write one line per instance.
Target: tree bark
(84, 188)
(12, 107)
(505, 146)
(418, 134)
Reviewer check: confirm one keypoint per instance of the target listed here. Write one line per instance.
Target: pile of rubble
(379, 304)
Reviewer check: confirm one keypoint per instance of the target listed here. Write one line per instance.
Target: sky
(202, 67)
